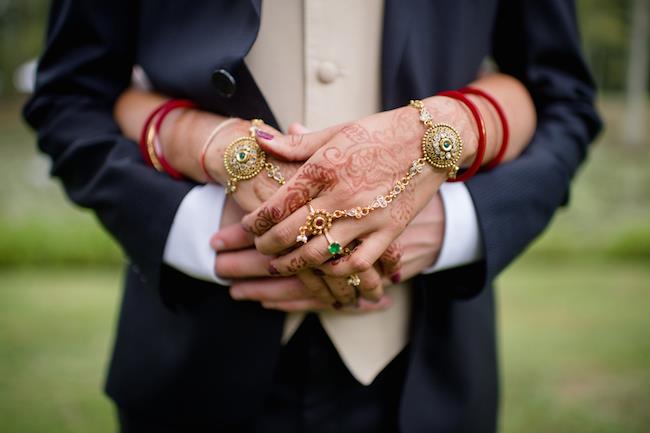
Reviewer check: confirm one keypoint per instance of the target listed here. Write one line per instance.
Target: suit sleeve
(86, 64)
(538, 43)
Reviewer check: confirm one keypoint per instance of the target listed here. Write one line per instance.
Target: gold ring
(354, 280)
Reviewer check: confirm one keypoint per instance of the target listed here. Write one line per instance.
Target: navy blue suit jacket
(183, 347)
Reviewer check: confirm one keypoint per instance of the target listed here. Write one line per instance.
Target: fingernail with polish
(273, 270)
(396, 277)
(263, 135)
(318, 272)
(246, 228)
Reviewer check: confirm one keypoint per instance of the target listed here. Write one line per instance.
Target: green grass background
(574, 311)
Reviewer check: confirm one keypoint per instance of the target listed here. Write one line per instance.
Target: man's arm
(86, 64)
(538, 43)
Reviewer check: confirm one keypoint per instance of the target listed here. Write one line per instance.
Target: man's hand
(418, 247)
(237, 259)
(414, 250)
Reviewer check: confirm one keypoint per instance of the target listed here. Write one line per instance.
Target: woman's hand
(416, 249)
(237, 259)
(183, 135)
(250, 193)
(350, 166)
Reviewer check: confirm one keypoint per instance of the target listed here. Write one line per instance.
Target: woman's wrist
(183, 135)
(214, 154)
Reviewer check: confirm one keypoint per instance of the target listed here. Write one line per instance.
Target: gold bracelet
(441, 147)
(151, 150)
(244, 159)
(441, 143)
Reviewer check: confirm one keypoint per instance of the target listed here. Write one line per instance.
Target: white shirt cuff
(188, 245)
(462, 243)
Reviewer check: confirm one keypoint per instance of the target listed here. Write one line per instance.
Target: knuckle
(374, 294)
(295, 140)
(338, 269)
(283, 236)
(370, 282)
(360, 263)
(312, 255)
(263, 245)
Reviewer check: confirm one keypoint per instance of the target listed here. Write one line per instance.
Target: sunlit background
(574, 311)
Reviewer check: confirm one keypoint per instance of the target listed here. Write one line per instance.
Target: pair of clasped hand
(341, 167)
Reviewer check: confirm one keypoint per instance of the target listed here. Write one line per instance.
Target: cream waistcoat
(318, 62)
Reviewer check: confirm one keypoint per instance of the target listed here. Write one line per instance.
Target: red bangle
(165, 109)
(480, 151)
(504, 124)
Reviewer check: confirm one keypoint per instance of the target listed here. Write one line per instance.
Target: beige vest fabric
(318, 62)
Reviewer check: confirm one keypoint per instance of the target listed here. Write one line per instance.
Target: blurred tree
(22, 28)
(605, 26)
(637, 75)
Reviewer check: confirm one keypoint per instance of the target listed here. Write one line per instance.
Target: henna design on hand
(402, 130)
(374, 158)
(296, 264)
(356, 133)
(403, 209)
(266, 218)
(364, 166)
(390, 260)
(295, 140)
(314, 175)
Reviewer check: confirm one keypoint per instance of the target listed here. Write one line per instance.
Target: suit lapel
(248, 101)
(398, 23)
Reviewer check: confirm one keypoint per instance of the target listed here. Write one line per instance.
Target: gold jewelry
(442, 148)
(208, 141)
(151, 150)
(441, 143)
(244, 159)
(319, 221)
(354, 280)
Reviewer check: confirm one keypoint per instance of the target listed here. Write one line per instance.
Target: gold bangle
(441, 147)
(206, 145)
(151, 150)
(244, 159)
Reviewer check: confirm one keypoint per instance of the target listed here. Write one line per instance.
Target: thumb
(232, 237)
(298, 128)
(296, 147)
